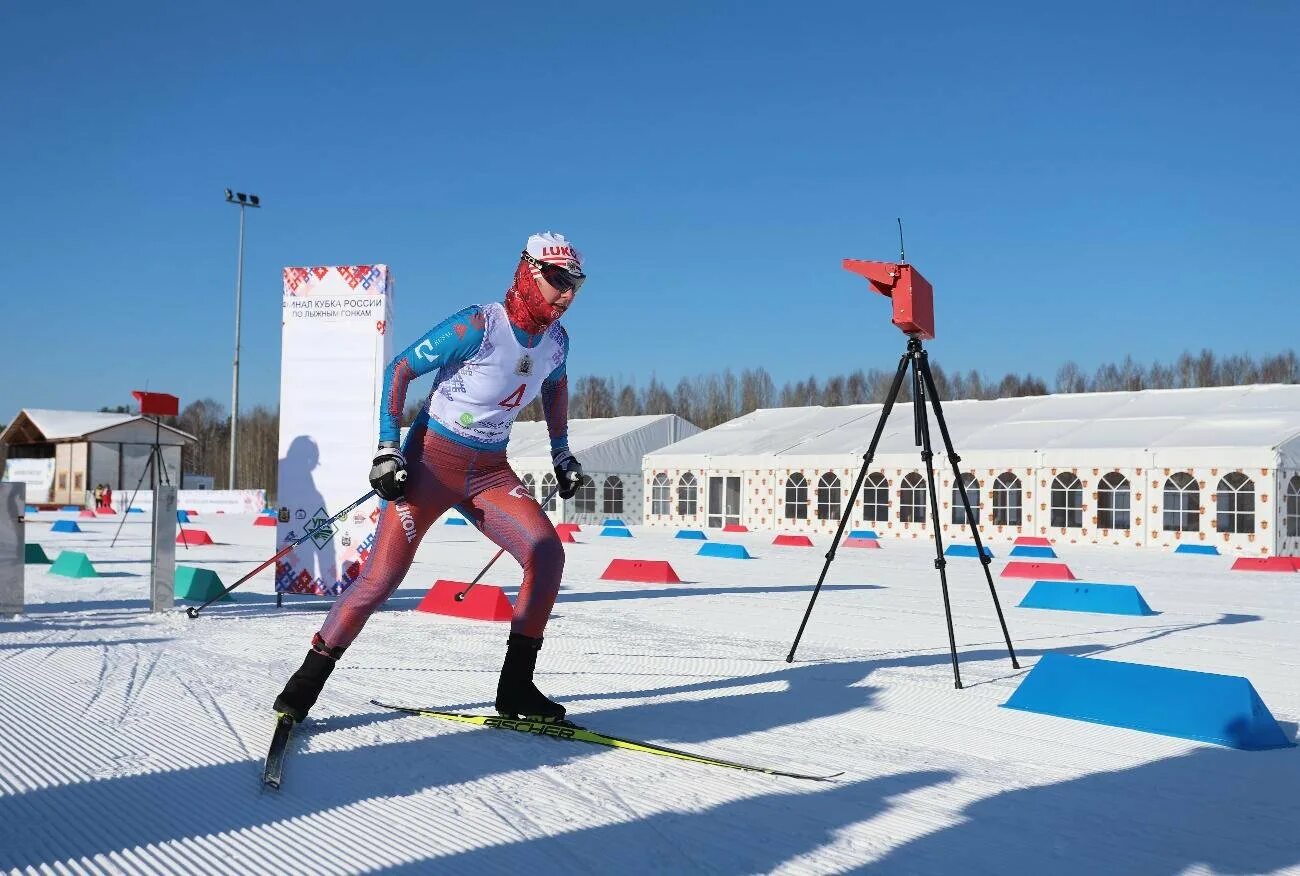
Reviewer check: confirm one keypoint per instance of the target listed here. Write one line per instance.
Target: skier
(491, 361)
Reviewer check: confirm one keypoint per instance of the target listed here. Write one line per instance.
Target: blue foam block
(1197, 549)
(455, 521)
(69, 508)
(1086, 596)
(1223, 709)
(134, 510)
(65, 526)
(1029, 550)
(616, 532)
(726, 551)
(613, 521)
(696, 534)
(863, 533)
(182, 517)
(31, 509)
(965, 550)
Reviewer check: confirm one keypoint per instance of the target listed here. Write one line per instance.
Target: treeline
(711, 399)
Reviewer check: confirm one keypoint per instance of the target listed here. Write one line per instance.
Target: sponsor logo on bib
(466, 419)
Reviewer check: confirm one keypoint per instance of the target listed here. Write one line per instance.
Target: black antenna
(902, 254)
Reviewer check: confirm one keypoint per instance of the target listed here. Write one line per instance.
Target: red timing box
(1040, 571)
(566, 536)
(263, 520)
(1264, 564)
(793, 540)
(735, 527)
(194, 537)
(1033, 541)
(157, 404)
(485, 602)
(912, 294)
(645, 571)
(861, 543)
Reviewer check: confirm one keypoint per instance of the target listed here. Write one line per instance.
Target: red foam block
(86, 512)
(647, 571)
(861, 543)
(192, 513)
(262, 520)
(566, 536)
(194, 537)
(1264, 564)
(571, 527)
(1039, 571)
(793, 540)
(485, 602)
(735, 527)
(1033, 541)
(104, 512)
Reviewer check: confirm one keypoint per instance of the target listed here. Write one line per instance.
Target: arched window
(548, 484)
(1008, 504)
(1293, 507)
(875, 498)
(1113, 501)
(796, 497)
(972, 493)
(530, 484)
(828, 497)
(1236, 504)
(688, 494)
(1182, 503)
(1067, 501)
(584, 500)
(611, 495)
(911, 499)
(661, 495)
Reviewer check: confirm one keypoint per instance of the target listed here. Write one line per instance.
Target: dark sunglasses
(556, 275)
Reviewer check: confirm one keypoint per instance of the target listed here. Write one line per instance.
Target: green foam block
(34, 553)
(198, 584)
(72, 564)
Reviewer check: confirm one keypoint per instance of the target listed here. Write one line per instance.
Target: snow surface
(132, 743)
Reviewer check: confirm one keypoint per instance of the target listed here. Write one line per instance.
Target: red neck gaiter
(525, 305)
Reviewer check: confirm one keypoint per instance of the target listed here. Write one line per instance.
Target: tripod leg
(894, 390)
(940, 562)
(131, 503)
(965, 500)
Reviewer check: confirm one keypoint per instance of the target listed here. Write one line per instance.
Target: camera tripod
(916, 360)
(158, 466)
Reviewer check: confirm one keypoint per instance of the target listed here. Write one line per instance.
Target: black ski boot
(517, 696)
(304, 686)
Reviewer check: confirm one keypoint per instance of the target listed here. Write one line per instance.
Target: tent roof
(605, 444)
(70, 425)
(1261, 419)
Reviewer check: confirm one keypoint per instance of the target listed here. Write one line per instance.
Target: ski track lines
(131, 743)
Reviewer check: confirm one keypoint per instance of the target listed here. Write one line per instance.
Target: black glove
(388, 472)
(568, 473)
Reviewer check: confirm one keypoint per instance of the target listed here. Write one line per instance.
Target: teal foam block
(965, 550)
(1029, 550)
(613, 521)
(1222, 709)
(694, 534)
(1086, 596)
(455, 521)
(182, 517)
(723, 550)
(616, 532)
(1197, 549)
(866, 533)
(65, 526)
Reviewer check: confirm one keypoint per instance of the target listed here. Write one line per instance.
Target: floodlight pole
(241, 200)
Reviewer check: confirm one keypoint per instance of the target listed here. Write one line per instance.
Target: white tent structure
(1155, 468)
(610, 450)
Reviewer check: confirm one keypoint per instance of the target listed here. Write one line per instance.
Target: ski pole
(194, 612)
(460, 597)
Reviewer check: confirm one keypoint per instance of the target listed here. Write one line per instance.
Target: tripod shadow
(300, 460)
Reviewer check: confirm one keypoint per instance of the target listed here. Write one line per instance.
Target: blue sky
(1078, 181)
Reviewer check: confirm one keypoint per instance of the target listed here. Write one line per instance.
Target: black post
(862, 474)
(971, 522)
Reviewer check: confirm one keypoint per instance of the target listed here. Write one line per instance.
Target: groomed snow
(132, 743)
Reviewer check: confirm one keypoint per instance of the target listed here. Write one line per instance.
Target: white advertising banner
(37, 474)
(335, 347)
(202, 501)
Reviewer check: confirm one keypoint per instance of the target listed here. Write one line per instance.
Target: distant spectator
(108, 497)
(99, 496)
